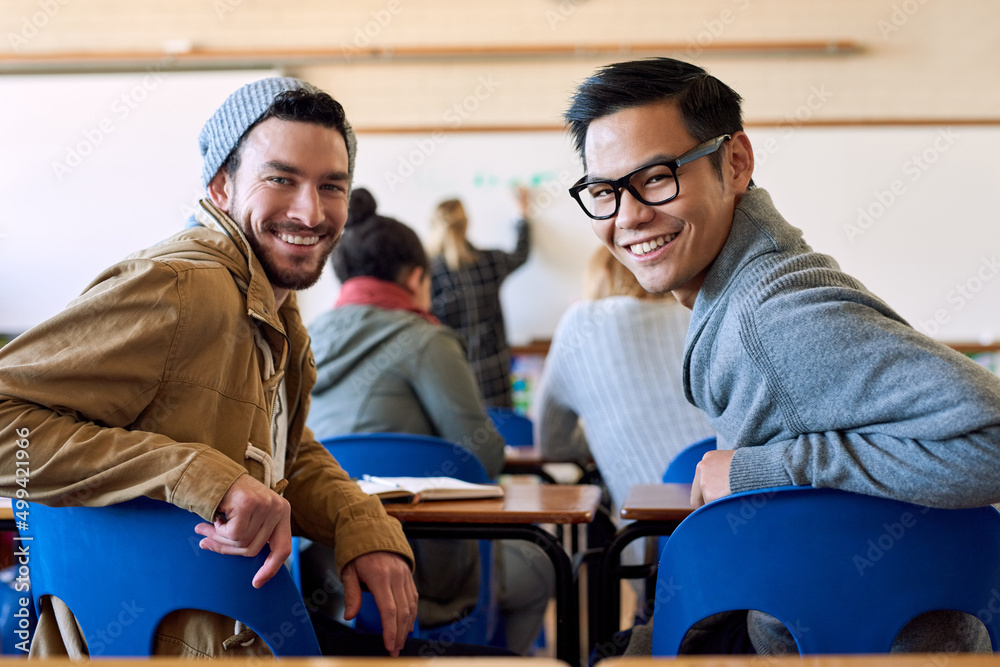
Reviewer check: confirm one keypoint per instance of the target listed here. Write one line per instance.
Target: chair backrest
(843, 572)
(122, 568)
(516, 429)
(681, 469)
(405, 455)
(408, 455)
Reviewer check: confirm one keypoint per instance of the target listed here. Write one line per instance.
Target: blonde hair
(447, 236)
(606, 276)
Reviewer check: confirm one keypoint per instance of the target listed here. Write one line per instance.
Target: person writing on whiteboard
(183, 373)
(385, 364)
(465, 293)
(807, 377)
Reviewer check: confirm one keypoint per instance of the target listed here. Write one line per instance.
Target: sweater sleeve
(558, 430)
(81, 388)
(878, 407)
(447, 390)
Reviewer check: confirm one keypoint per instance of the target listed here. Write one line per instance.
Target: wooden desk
(654, 509)
(526, 461)
(308, 662)
(657, 502)
(884, 660)
(6, 517)
(516, 516)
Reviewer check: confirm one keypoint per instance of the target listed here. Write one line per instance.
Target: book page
(428, 488)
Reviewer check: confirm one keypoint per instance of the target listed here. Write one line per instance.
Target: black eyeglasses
(652, 185)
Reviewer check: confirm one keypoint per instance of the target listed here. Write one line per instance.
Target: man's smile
(644, 247)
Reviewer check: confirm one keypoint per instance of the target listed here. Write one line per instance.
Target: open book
(418, 489)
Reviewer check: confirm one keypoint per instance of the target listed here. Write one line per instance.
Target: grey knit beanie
(241, 110)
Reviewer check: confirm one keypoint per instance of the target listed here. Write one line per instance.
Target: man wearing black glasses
(807, 377)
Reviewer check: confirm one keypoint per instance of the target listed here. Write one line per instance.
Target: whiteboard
(93, 168)
(906, 210)
(410, 173)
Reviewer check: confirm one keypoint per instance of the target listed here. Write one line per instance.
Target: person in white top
(611, 387)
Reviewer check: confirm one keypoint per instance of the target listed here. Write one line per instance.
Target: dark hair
(374, 245)
(298, 105)
(708, 107)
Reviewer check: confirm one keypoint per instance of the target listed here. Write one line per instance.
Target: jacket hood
(348, 336)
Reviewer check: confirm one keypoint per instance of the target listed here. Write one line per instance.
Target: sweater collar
(757, 229)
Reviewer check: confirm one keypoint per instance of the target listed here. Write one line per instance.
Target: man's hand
(391, 584)
(250, 516)
(711, 477)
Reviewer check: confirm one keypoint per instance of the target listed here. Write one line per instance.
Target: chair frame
(410, 455)
(122, 568)
(843, 572)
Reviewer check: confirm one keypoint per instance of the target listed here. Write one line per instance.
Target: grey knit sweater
(814, 380)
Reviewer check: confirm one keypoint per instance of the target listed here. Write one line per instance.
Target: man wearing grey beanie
(183, 374)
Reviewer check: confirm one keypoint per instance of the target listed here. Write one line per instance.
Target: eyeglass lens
(654, 185)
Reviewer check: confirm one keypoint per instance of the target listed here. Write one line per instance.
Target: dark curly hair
(376, 245)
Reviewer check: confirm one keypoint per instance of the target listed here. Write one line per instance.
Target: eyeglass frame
(701, 150)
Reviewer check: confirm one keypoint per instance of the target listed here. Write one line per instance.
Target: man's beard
(290, 278)
(294, 277)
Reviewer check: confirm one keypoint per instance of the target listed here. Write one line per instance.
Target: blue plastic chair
(122, 568)
(681, 469)
(516, 429)
(843, 572)
(408, 455)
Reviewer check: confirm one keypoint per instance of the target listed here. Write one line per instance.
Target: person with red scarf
(385, 364)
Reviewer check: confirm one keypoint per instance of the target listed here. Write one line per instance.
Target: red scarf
(368, 291)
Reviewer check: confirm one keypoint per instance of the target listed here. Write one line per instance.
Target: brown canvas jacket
(151, 384)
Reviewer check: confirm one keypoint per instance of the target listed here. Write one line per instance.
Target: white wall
(94, 167)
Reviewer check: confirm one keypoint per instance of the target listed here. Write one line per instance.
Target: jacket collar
(260, 295)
